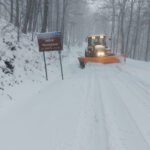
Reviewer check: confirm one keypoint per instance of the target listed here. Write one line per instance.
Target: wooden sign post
(50, 42)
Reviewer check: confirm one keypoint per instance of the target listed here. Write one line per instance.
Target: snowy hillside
(21, 64)
(17, 60)
(21, 61)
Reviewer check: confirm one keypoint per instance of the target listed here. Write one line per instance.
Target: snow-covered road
(118, 107)
(103, 107)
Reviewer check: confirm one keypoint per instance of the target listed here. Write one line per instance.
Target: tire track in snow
(135, 100)
(122, 132)
(112, 139)
(130, 135)
(143, 95)
(115, 142)
(138, 65)
(91, 131)
(143, 84)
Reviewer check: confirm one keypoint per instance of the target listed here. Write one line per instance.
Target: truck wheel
(86, 54)
(82, 65)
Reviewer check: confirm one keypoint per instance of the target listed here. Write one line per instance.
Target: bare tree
(122, 12)
(45, 16)
(12, 11)
(27, 15)
(140, 4)
(148, 34)
(129, 27)
(35, 16)
(113, 24)
(17, 22)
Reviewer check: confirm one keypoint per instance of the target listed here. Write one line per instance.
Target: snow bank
(17, 60)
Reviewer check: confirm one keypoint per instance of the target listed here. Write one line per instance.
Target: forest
(74, 74)
(126, 23)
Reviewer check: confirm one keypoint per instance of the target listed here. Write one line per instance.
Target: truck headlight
(102, 37)
(100, 54)
(93, 37)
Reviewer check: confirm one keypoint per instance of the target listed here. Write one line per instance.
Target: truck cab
(97, 46)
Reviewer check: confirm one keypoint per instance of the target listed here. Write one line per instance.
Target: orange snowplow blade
(104, 60)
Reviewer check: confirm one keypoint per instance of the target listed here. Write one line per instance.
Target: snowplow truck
(98, 52)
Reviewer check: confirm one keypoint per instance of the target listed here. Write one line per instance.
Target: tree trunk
(57, 20)
(129, 28)
(33, 5)
(17, 13)
(113, 26)
(148, 40)
(27, 15)
(35, 16)
(137, 29)
(44, 24)
(12, 11)
(118, 34)
(123, 5)
(50, 16)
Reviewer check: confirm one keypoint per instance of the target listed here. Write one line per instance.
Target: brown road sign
(50, 41)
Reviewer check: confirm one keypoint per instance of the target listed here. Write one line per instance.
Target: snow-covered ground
(100, 107)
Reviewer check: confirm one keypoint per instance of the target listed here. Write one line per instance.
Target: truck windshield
(97, 41)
